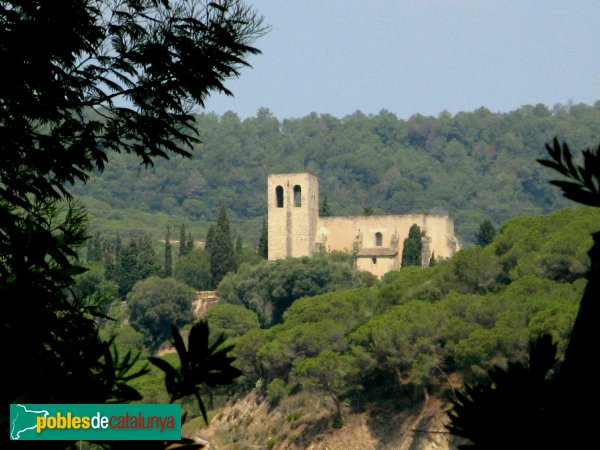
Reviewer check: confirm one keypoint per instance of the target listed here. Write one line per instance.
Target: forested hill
(472, 165)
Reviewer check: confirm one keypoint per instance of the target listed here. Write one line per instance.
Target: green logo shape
(39, 422)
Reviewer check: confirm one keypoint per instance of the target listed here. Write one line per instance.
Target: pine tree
(222, 258)
(486, 233)
(168, 269)
(263, 242)
(411, 253)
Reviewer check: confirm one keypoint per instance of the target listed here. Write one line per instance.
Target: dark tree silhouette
(201, 363)
(100, 76)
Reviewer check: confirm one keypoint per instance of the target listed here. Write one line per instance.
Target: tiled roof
(377, 251)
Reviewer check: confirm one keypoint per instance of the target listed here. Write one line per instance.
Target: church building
(295, 228)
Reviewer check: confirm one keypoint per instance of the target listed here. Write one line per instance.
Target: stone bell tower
(293, 213)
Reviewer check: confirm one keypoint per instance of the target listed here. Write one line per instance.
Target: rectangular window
(279, 195)
(297, 196)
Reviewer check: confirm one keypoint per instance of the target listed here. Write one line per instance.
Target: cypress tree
(182, 241)
(210, 237)
(324, 209)
(432, 261)
(411, 253)
(136, 261)
(189, 244)
(222, 258)
(239, 251)
(263, 242)
(486, 233)
(239, 244)
(168, 269)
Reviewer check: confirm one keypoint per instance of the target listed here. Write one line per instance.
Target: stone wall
(340, 233)
(296, 230)
(377, 265)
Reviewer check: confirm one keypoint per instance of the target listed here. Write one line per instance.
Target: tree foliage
(486, 233)
(222, 256)
(412, 248)
(210, 239)
(423, 326)
(135, 261)
(106, 77)
(329, 372)
(200, 363)
(156, 303)
(159, 57)
(519, 400)
(544, 395)
(228, 320)
(94, 248)
(183, 247)
(324, 208)
(471, 165)
(194, 270)
(270, 288)
(584, 186)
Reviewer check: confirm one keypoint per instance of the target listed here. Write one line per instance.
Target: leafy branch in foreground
(527, 407)
(585, 187)
(519, 400)
(201, 363)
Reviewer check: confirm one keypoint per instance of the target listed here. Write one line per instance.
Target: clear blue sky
(419, 56)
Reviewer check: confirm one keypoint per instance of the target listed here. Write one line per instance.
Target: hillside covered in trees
(473, 165)
(313, 331)
(418, 335)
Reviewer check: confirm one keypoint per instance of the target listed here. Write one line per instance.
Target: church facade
(295, 228)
